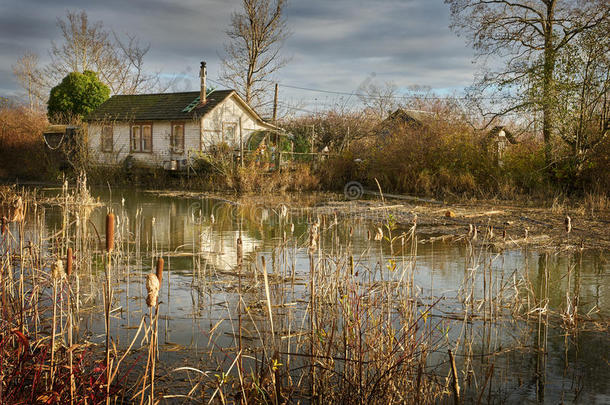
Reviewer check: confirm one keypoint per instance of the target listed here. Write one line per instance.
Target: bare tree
(89, 45)
(529, 37)
(253, 53)
(29, 75)
(380, 100)
(583, 108)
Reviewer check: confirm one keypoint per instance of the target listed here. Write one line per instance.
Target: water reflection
(198, 238)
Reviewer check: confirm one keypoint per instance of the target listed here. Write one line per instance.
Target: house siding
(230, 111)
(161, 146)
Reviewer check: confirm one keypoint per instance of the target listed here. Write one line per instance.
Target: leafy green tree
(77, 95)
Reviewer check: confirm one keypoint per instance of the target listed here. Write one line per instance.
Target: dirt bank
(504, 225)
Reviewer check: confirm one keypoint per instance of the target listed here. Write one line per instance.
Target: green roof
(409, 116)
(160, 107)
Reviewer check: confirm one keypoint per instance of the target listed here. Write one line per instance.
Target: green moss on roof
(161, 106)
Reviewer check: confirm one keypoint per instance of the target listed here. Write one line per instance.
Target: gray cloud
(334, 45)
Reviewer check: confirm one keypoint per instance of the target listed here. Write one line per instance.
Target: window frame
(172, 142)
(104, 143)
(228, 124)
(140, 126)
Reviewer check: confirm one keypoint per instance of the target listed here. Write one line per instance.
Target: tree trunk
(548, 85)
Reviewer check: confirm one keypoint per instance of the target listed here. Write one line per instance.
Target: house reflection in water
(179, 227)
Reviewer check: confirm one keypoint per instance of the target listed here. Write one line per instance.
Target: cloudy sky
(335, 45)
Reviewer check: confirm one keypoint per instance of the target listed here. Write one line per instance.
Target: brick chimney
(202, 75)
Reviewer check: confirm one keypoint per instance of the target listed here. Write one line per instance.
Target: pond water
(533, 361)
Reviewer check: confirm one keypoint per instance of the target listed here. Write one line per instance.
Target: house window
(107, 141)
(229, 131)
(177, 139)
(141, 138)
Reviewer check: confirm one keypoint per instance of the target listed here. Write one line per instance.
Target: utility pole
(278, 152)
(241, 144)
(275, 104)
(313, 134)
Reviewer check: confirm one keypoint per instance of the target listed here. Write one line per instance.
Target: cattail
(109, 232)
(527, 232)
(240, 252)
(160, 263)
(212, 219)
(490, 232)
(3, 225)
(291, 228)
(313, 236)
(568, 223)
(379, 234)
(283, 211)
(69, 262)
(152, 288)
(18, 210)
(368, 234)
(474, 232)
(504, 234)
(57, 269)
(470, 230)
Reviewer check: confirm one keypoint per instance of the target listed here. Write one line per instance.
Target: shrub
(77, 95)
(436, 158)
(23, 152)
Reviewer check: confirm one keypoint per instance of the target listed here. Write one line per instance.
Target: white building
(168, 128)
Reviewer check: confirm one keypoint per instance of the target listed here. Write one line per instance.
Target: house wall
(229, 112)
(161, 150)
(199, 135)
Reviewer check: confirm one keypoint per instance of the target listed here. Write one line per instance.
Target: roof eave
(258, 118)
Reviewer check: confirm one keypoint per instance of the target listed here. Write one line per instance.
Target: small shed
(497, 140)
(402, 118)
(63, 142)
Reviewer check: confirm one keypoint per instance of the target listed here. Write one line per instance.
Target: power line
(368, 96)
(289, 107)
(343, 93)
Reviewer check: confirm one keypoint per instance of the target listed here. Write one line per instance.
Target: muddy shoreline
(502, 224)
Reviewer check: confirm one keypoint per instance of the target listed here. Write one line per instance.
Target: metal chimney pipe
(202, 75)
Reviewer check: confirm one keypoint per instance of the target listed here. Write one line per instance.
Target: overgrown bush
(23, 152)
(596, 173)
(333, 129)
(436, 158)
(524, 169)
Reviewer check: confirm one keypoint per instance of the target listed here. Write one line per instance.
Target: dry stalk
(108, 295)
(153, 286)
(69, 266)
(56, 274)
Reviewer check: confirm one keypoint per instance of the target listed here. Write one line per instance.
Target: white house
(168, 128)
